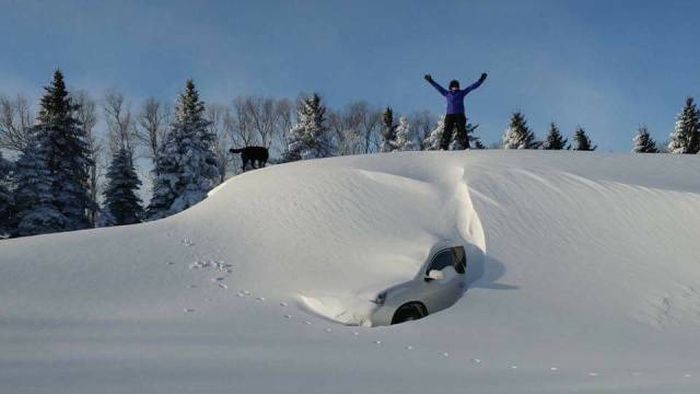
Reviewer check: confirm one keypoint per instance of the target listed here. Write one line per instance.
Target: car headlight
(380, 299)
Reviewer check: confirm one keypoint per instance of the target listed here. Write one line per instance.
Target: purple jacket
(455, 100)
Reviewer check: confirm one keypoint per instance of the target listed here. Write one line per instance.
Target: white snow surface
(584, 276)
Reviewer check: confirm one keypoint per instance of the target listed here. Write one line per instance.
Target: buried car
(438, 284)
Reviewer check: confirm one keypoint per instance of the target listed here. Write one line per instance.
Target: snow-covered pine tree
(36, 212)
(53, 171)
(433, 140)
(643, 143)
(554, 140)
(685, 138)
(6, 200)
(310, 137)
(582, 142)
(121, 201)
(388, 131)
(404, 136)
(186, 165)
(518, 135)
(478, 144)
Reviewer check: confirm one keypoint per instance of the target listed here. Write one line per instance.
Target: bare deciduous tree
(240, 124)
(356, 129)
(423, 122)
(216, 115)
(119, 122)
(16, 119)
(152, 126)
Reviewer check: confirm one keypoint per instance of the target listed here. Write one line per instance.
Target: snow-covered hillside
(584, 276)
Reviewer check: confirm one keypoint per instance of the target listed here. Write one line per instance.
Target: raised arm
(437, 86)
(475, 84)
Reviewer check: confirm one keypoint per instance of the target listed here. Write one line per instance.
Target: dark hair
(454, 83)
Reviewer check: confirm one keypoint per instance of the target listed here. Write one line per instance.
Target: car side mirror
(435, 275)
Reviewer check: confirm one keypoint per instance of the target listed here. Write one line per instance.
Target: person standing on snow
(455, 110)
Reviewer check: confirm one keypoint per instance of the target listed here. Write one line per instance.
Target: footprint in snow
(687, 375)
(283, 304)
(191, 286)
(308, 323)
(328, 330)
(355, 333)
(377, 342)
(261, 299)
(287, 316)
(409, 347)
(222, 285)
(445, 354)
(513, 367)
(554, 369)
(188, 310)
(594, 374)
(476, 361)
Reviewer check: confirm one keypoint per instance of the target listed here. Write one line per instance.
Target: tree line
(65, 176)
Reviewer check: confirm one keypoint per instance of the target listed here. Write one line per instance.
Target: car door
(441, 293)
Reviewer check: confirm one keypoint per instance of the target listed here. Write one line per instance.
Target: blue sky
(605, 65)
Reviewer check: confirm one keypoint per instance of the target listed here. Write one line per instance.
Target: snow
(583, 277)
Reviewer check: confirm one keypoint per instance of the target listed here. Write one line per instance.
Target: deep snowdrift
(584, 275)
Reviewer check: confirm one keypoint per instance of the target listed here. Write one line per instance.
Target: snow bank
(583, 276)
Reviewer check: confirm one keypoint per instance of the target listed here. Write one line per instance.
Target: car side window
(441, 260)
(460, 259)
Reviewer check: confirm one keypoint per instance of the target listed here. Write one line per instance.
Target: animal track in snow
(215, 264)
(187, 242)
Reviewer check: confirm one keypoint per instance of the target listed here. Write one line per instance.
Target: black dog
(253, 154)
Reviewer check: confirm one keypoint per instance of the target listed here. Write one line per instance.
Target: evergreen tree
(643, 143)
(310, 137)
(121, 200)
(434, 138)
(582, 142)
(36, 211)
(518, 135)
(186, 165)
(478, 144)
(685, 138)
(554, 140)
(53, 171)
(388, 131)
(6, 200)
(404, 136)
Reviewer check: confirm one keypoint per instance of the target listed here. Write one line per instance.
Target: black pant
(455, 121)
